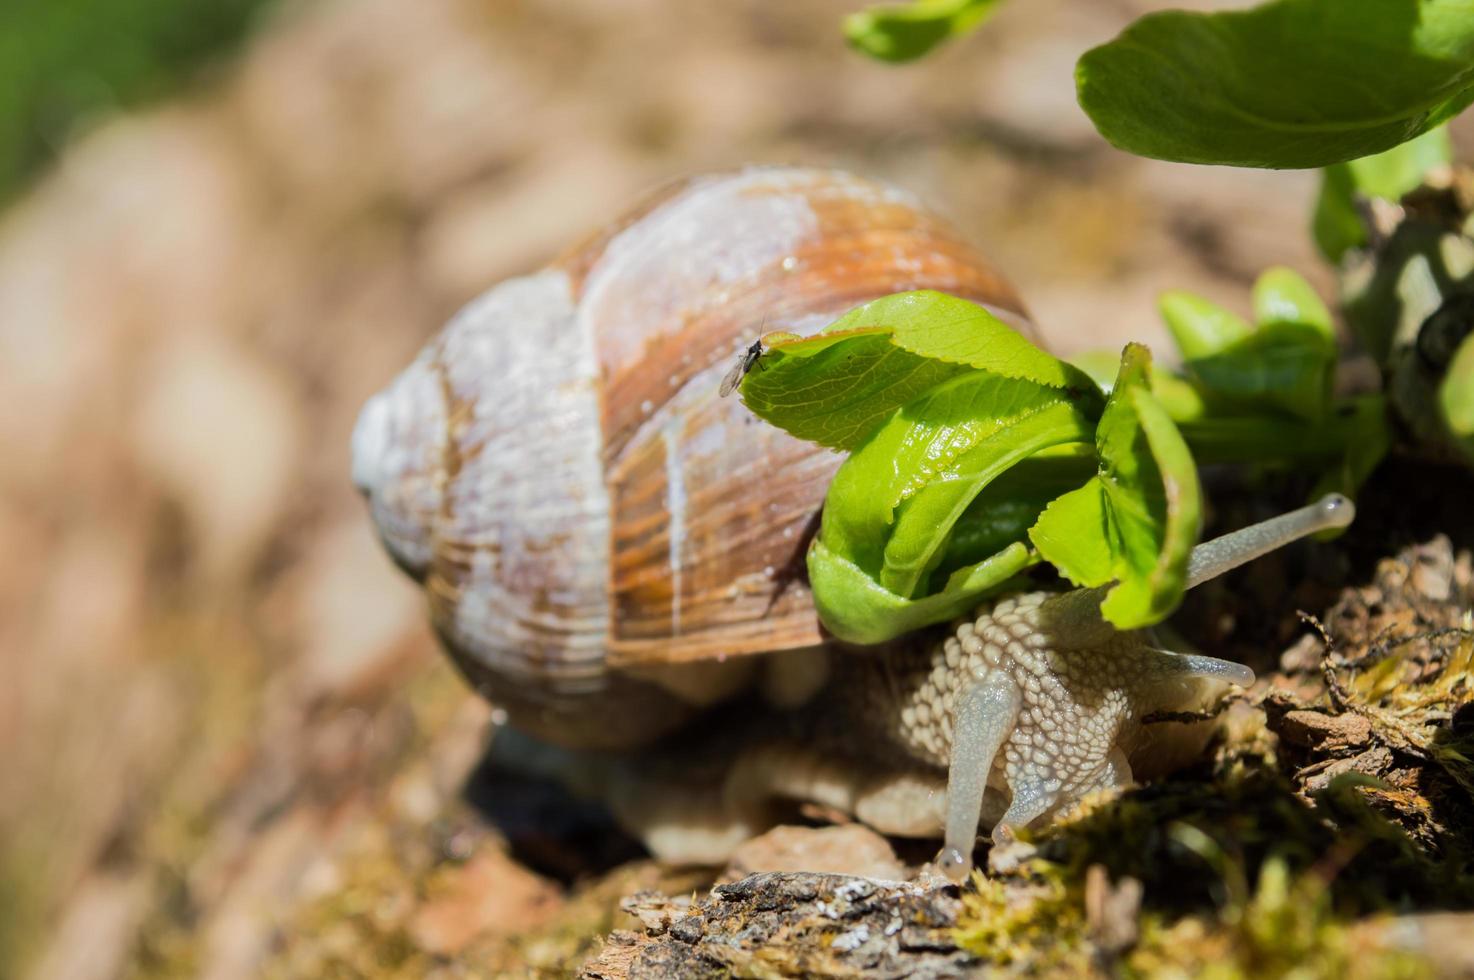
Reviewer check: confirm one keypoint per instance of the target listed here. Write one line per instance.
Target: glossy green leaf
(957, 331)
(1158, 540)
(915, 547)
(1074, 533)
(1005, 510)
(857, 609)
(1289, 83)
(904, 32)
(1135, 523)
(836, 387)
(1337, 225)
(893, 503)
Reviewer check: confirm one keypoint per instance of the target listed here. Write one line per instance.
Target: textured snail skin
(604, 542)
(1024, 709)
(1027, 707)
(1050, 707)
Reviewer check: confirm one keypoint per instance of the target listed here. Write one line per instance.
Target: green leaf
(1285, 363)
(1200, 327)
(1290, 83)
(1005, 510)
(1135, 523)
(1157, 518)
(1281, 295)
(1390, 174)
(836, 387)
(904, 32)
(915, 547)
(894, 502)
(1073, 532)
(857, 609)
(1183, 399)
(958, 331)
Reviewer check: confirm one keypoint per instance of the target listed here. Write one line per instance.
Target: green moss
(361, 928)
(1285, 928)
(1038, 926)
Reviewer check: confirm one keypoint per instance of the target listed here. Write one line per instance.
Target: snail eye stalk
(1223, 554)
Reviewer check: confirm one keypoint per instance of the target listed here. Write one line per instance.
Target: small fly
(745, 362)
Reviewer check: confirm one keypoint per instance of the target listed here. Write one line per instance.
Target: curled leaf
(893, 505)
(857, 609)
(1136, 521)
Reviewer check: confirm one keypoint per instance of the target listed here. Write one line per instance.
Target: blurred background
(229, 746)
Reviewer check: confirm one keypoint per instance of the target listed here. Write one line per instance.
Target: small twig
(1387, 728)
(1188, 717)
(1340, 700)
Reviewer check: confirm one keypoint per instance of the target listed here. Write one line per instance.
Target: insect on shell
(745, 362)
(597, 531)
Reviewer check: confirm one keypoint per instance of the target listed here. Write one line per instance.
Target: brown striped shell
(603, 539)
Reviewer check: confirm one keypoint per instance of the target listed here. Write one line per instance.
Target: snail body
(607, 544)
(1030, 704)
(1038, 697)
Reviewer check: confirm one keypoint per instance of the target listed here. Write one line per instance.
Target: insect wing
(734, 377)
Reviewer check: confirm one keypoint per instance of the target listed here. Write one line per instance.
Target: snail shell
(603, 539)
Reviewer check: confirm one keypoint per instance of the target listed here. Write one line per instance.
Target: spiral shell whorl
(398, 450)
(482, 462)
(522, 537)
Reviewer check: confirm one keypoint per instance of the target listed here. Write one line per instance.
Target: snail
(606, 542)
(1024, 708)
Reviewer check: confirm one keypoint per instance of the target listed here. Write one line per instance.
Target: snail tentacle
(1032, 798)
(1196, 665)
(986, 715)
(1227, 552)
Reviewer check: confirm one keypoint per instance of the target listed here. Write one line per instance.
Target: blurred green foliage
(66, 62)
